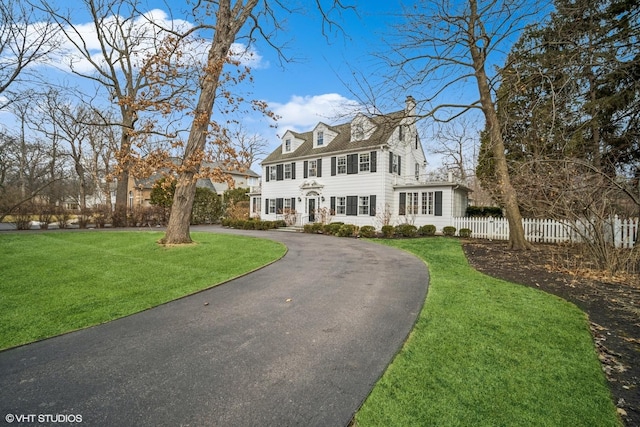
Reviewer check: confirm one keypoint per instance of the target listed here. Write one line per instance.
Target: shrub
(387, 231)
(464, 232)
(368, 231)
(484, 211)
(279, 223)
(347, 230)
(427, 230)
(406, 230)
(313, 227)
(332, 228)
(449, 231)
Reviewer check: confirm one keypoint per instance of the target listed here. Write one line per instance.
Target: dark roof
(385, 124)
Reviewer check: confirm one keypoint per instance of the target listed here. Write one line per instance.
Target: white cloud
(145, 36)
(302, 113)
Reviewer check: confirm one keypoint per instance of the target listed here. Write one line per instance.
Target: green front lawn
(55, 282)
(485, 352)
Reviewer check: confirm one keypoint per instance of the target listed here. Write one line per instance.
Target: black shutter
(372, 205)
(390, 162)
(293, 170)
(279, 205)
(293, 203)
(333, 205)
(266, 206)
(306, 169)
(333, 166)
(267, 173)
(279, 172)
(438, 203)
(319, 168)
(352, 164)
(374, 166)
(352, 205)
(403, 204)
(399, 165)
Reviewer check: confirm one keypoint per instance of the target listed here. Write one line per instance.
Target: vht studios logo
(43, 418)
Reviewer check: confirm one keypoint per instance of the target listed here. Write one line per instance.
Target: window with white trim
(313, 168)
(320, 139)
(257, 202)
(394, 163)
(365, 162)
(363, 205)
(341, 165)
(287, 145)
(341, 205)
(286, 205)
(412, 204)
(272, 206)
(287, 171)
(273, 174)
(417, 174)
(427, 203)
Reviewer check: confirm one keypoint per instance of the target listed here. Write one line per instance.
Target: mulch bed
(612, 304)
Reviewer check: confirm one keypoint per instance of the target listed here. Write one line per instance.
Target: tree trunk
(228, 23)
(508, 194)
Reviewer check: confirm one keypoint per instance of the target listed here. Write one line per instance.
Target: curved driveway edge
(299, 342)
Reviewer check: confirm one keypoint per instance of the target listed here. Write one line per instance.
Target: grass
(485, 352)
(51, 283)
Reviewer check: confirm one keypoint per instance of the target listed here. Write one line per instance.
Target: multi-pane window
(365, 162)
(417, 174)
(287, 145)
(320, 138)
(412, 204)
(273, 173)
(358, 132)
(394, 163)
(363, 205)
(313, 168)
(341, 205)
(287, 171)
(257, 202)
(427, 203)
(286, 206)
(341, 165)
(272, 206)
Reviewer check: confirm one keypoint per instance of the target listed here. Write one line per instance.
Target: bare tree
(456, 142)
(130, 43)
(444, 44)
(25, 39)
(247, 148)
(230, 20)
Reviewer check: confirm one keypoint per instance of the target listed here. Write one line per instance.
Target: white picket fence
(623, 233)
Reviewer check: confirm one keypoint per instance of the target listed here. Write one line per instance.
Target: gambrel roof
(385, 125)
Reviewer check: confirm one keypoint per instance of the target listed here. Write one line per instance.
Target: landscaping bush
(406, 230)
(368, 231)
(313, 227)
(427, 230)
(484, 211)
(464, 232)
(347, 230)
(332, 228)
(387, 231)
(449, 231)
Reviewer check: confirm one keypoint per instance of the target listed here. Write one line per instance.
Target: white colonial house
(366, 172)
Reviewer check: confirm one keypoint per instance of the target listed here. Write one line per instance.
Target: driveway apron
(299, 342)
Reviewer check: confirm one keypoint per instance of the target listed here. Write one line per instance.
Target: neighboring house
(139, 189)
(366, 172)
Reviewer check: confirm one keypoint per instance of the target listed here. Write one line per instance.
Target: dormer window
(358, 132)
(287, 145)
(320, 138)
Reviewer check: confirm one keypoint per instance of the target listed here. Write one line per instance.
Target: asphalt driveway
(300, 342)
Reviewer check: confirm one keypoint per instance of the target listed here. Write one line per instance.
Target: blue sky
(325, 73)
